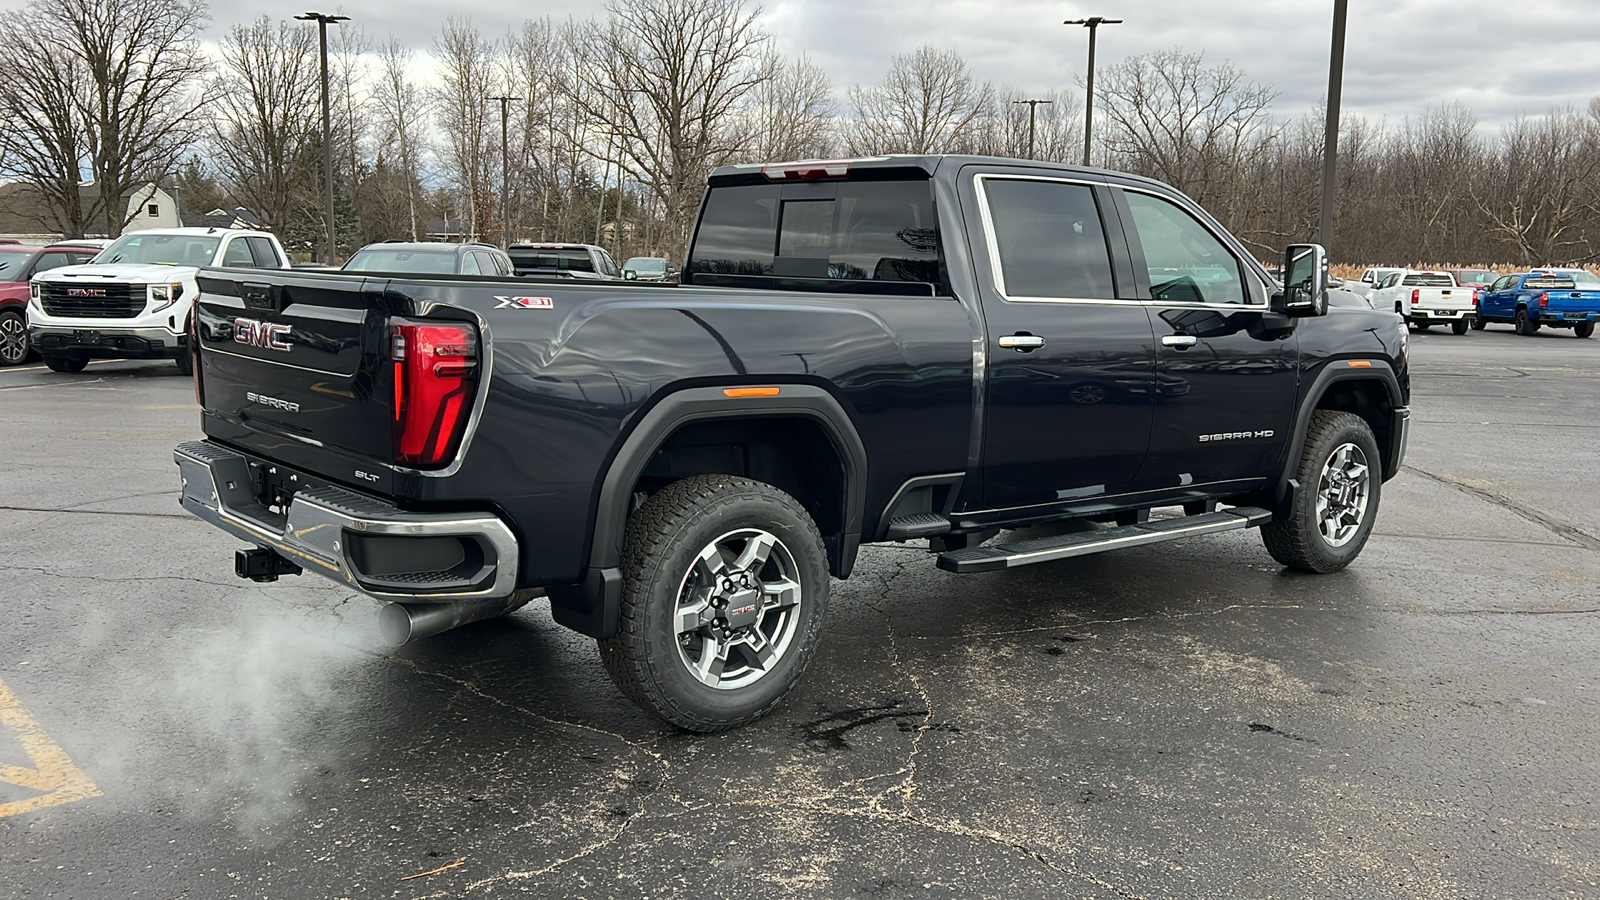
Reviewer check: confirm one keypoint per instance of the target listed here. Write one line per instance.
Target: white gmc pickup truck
(133, 300)
(1426, 298)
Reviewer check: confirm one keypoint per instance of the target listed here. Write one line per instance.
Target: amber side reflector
(750, 392)
(1359, 363)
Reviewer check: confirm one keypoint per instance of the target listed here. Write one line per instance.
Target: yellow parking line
(52, 773)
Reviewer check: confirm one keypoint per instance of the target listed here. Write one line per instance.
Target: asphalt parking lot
(1178, 721)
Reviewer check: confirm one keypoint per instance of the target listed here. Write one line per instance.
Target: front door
(1071, 367)
(1225, 366)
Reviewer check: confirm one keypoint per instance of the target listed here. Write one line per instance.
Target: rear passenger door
(1071, 369)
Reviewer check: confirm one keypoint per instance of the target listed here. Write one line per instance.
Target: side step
(917, 525)
(1083, 543)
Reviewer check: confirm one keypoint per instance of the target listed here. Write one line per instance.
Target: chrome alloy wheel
(13, 340)
(738, 609)
(1343, 491)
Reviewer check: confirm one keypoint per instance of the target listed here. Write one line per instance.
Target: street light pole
(505, 172)
(1033, 105)
(1092, 23)
(1330, 139)
(323, 21)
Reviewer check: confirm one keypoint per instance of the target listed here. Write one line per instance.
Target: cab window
(238, 254)
(1187, 263)
(469, 264)
(1049, 239)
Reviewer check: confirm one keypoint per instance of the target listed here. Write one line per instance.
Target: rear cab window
(1548, 283)
(1428, 279)
(876, 233)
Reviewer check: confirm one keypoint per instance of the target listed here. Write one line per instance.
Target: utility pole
(1092, 23)
(505, 172)
(1033, 105)
(1330, 139)
(323, 21)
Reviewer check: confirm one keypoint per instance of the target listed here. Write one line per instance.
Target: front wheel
(725, 582)
(1334, 508)
(13, 339)
(1459, 326)
(1583, 329)
(65, 362)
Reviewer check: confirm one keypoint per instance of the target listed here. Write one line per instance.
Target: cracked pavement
(1177, 721)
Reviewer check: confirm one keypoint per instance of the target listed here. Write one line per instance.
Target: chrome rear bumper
(371, 545)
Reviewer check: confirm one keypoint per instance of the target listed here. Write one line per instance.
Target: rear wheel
(59, 362)
(1459, 326)
(1478, 323)
(1525, 325)
(1334, 508)
(185, 363)
(724, 585)
(1583, 329)
(13, 339)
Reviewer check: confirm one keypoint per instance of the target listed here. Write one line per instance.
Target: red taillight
(435, 371)
(1416, 295)
(194, 356)
(1544, 299)
(1474, 296)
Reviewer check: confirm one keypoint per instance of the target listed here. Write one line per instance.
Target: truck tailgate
(298, 358)
(1570, 301)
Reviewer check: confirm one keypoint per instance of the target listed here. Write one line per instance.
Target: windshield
(646, 264)
(162, 249)
(1583, 276)
(575, 260)
(1471, 277)
(417, 262)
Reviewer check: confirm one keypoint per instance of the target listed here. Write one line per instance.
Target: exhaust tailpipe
(402, 623)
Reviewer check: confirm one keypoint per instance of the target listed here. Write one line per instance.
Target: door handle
(1180, 341)
(1022, 342)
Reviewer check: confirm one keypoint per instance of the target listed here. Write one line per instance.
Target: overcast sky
(1499, 57)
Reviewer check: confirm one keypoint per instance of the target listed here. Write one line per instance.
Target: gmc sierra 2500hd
(907, 348)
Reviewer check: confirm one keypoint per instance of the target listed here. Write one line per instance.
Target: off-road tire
(1459, 326)
(1525, 325)
(662, 540)
(1296, 541)
(1583, 329)
(59, 362)
(1478, 323)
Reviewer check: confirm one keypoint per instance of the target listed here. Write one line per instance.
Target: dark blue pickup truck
(1531, 300)
(910, 348)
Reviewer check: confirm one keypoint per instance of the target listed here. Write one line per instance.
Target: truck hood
(122, 273)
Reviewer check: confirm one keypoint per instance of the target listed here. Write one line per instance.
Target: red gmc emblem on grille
(85, 292)
(256, 333)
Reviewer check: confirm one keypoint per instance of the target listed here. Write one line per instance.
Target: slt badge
(524, 302)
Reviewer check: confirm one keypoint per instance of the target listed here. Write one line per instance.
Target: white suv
(133, 300)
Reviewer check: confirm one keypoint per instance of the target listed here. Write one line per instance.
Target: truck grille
(98, 301)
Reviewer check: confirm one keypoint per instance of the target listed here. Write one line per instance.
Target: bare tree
(124, 74)
(672, 74)
(267, 126)
(467, 79)
(790, 111)
(1541, 194)
(402, 112)
(1198, 128)
(928, 103)
(42, 142)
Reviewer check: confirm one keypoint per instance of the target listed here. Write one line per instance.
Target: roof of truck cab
(200, 232)
(929, 163)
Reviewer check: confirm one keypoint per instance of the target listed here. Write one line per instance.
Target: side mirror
(1305, 282)
(630, 274)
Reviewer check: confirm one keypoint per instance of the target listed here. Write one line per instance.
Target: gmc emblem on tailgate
(256, 333)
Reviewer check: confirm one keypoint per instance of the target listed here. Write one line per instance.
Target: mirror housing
(1305, 282)
(630, 275)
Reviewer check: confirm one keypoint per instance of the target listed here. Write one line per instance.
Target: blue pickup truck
(1531, 300)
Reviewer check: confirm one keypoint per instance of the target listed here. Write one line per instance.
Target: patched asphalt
(1177, 721)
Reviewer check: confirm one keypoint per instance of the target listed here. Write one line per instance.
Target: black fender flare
(592, 606)
(1330, 374)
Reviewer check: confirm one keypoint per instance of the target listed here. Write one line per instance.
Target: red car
(19, 263)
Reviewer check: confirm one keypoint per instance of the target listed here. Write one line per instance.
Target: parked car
(1425, 299)
(649, 268)
(134, 301)
(682, 467)
(578, 261)
(1370, 279)
(18, 264)
(430, 258)
(1477, 279)
(1531, 300)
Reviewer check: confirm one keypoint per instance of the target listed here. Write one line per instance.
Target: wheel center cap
(744, 608)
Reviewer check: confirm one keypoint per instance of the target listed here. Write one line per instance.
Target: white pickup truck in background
(1426, 298)
(1369, 281)
(133, 300)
